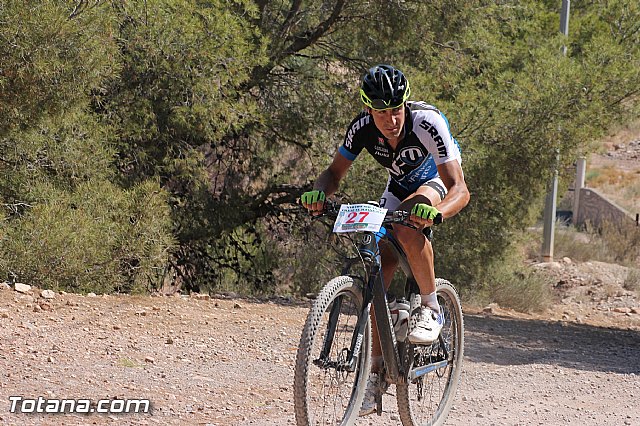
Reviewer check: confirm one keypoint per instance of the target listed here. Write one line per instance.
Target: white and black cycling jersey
(426, 144)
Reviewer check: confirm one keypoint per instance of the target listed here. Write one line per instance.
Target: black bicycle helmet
(384, 87)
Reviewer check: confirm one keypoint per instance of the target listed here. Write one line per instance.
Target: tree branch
(15, 208)
(81, 6)
(291, 192)
(77, 9)
(287, 139)
(288, 22)
(307, 39)
(624, 97)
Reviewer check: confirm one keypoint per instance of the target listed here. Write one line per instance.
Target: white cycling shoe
(374, 388)
(426, 326)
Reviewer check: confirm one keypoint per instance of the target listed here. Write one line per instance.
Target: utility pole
(552, 190)
(581, 167)
(564, 22)
(550, 216)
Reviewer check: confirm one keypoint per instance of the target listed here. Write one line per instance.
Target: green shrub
(314, 257)
(244, 261)
(98, 239)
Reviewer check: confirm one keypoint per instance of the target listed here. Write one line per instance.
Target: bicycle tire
(325, 395)
(428, 399)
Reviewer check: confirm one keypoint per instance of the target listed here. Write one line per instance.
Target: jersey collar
(408, 120)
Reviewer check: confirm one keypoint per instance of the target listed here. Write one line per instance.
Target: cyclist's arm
(458, 193)
(329, 180)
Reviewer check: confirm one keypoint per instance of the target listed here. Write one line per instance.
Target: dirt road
(230, 362)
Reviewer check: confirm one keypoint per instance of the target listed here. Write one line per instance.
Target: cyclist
(413, 142)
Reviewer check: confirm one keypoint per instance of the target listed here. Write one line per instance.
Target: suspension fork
(373, 291)
(353, 354)
(369, 255)
(358, 336)
(332, 324)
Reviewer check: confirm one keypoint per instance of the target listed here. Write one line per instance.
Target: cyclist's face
(390, 122)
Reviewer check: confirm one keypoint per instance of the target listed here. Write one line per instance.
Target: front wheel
(325, 392)
(434, 371)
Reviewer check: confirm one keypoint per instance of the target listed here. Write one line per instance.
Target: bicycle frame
(373, 292)
(425, 375)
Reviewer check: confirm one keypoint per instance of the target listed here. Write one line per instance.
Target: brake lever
(400, 215)
(318, 216)
(329, 211)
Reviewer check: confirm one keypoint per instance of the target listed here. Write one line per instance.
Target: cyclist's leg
(426, 322)
(418, 248)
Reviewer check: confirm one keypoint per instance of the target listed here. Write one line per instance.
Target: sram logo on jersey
(442, 149)
(354, 128)
(407, 159)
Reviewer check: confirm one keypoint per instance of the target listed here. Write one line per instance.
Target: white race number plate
(359, 218)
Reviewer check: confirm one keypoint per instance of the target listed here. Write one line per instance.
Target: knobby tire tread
(304, 356)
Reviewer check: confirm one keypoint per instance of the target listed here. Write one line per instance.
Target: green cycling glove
(311, 197)
(426, 211)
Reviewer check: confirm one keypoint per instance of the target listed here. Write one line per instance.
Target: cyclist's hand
(425, 215)
(313, 201)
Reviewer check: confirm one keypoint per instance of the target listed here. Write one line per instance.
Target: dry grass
(524, 290)
(513, 284)
(611, 244)
(622, 134)
(620, 186)
(617, 178)
(632, 282)
(568, 242)
(611, 290)
(582, 247)
(611, 176)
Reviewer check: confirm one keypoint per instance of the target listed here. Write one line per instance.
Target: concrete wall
(594, 208)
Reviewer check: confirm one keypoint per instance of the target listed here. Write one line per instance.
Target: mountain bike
(334, 354)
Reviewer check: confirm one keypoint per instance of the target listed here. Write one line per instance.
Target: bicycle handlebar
(399, 217)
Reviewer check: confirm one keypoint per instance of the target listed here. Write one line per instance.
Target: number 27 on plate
(359, 218)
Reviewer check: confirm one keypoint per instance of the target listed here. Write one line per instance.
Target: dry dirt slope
(230, 362)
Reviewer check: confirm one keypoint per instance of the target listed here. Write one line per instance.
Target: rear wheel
(326, 393)
(426, 398)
